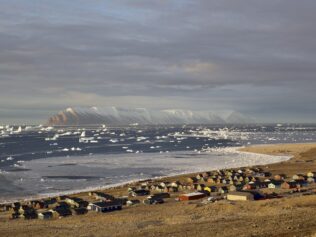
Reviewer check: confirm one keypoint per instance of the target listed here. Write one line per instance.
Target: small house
(160, 195)
(210, 189)
(49, 203)
(274, 184)
(80, 211)
(230, 181)
(211, 180)
(204, 179)
(131, 189)
(199, 176)
(122, 199)
(15, 215)
(311, 174)
(298, 177)
(105, 206)
(301, 183)
(164, 184)
(279, 177)
(200, 187)
(62, 212)
(38, 204)
(76, 202)
(240, 196)
(289, 185)
(173, 189)
(153, 201)
(62, 198)
(159, 189)
(45, 215)
(28, 215)
(191, 196)
(26, 209)
(206, 174)
(140, 192)
(262, 184)
(181, 187)
(175, 184)
(192, 179)
(223, 189)
(102, 196)
(250, 186)
(132, 202)
(5, 208)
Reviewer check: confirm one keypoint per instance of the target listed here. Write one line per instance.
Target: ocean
(44, 161)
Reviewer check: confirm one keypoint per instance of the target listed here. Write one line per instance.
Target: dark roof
(62, 205)
(76, 199)
(80, 210)
(142, 192)
(104, 195)
(107, 204)
(246, 194)
(46, 213)
(64, 212)
(276, 182)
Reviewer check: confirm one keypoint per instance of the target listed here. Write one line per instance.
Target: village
(228, 185)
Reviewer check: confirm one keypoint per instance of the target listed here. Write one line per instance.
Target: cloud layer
(253, 56)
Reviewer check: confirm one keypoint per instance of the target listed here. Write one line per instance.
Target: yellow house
(240, 196)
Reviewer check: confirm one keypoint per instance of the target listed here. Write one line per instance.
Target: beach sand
(292, 216)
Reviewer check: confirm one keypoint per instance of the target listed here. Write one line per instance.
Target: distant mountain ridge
(124, 116)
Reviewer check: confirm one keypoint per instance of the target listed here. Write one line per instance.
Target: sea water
(44, 162)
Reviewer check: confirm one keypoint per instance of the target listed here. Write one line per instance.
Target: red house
(191, 196)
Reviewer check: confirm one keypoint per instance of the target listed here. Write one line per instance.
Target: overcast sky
(256, 57)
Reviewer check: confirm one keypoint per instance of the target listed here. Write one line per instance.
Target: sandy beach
(290, 216)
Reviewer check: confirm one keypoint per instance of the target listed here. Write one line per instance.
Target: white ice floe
(86, 139)
(54, 138)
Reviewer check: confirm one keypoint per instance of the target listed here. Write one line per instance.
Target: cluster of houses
(63, 206)
(232, 184)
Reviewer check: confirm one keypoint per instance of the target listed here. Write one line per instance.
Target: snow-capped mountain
(123, 116)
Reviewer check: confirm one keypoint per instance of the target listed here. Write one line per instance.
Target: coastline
(174, 176)
(287, 216)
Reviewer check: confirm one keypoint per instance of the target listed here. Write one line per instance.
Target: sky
(251, 56)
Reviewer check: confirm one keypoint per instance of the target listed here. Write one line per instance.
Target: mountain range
(125, 116)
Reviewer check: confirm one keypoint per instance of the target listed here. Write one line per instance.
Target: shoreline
(238, 150)
(290, 215)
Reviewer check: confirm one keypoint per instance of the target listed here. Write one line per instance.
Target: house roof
(107, 204)
(192, 194)
(46, 213)
(244, 194)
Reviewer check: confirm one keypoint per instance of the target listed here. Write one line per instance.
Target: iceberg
(121, 116)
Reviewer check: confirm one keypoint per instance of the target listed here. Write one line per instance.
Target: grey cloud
(187, 51)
